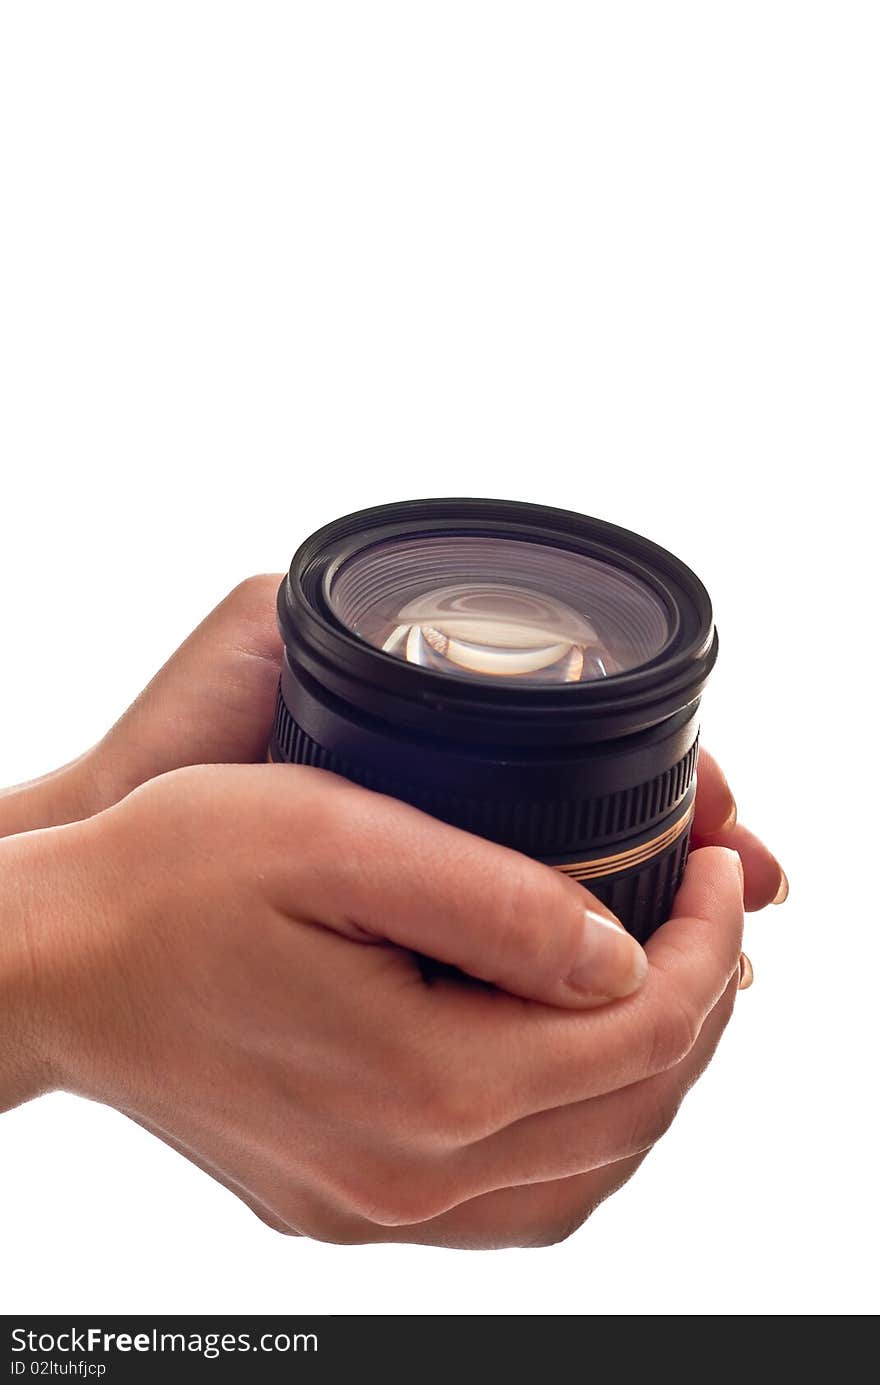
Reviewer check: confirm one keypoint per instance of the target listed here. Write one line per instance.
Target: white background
(264, 263)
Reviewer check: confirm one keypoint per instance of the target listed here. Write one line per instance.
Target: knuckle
(403, 1208)
(395, 1196)
(337, 1232)
(329, 1226)
(652, 1118)
(556, 1229)
(528, 900)
(433, 1102)
(510, 933)
(449, 1114)
(453, 1108)
(313, 806)
(673, 1034)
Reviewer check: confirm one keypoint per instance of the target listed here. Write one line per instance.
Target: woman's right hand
(228, 956)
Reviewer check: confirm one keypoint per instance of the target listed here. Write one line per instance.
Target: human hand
(227, 956)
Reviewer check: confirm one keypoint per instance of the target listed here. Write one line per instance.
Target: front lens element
(487, 607)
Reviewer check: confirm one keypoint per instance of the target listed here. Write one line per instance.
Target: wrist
(25, 1070)
(66, 795)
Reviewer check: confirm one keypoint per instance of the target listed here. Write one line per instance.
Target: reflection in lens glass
(487, 607)
(496, 631)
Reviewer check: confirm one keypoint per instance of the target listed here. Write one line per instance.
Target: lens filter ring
(334, 584)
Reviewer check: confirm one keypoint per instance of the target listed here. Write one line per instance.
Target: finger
(211, 703)
(570, 1140)
(539, 1215)
(542, 1213)
(406, 878)
(692, 959)
(715, 807)
(573, 1139)
(765, 880)
(513, 1060)
(534, 1215)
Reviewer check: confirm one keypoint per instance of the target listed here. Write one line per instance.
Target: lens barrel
(594, 775)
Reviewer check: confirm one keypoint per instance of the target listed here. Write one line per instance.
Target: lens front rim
(355, 671)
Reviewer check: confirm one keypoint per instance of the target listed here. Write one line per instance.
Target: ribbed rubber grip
(548, 828)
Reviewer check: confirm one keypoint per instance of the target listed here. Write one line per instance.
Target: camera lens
(483, 607)
(526, 673)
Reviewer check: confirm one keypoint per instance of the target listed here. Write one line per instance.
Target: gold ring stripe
(269, 758)
(625, 860)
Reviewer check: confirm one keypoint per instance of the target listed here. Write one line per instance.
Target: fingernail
(781, 894)
(746, 975)
(611, 963)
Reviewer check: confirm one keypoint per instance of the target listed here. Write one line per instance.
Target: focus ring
(538, 828)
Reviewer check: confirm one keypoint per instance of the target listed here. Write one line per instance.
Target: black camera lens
(523, 672)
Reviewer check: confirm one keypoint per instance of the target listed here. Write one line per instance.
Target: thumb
(400, 875)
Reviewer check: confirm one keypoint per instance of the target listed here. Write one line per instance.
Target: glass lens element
(486, 607)
(494, 630)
